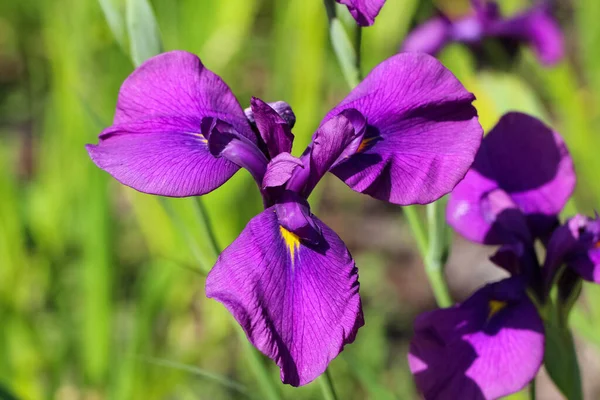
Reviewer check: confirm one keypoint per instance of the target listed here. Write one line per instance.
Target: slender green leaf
(217, 378)
(560, 358)
(114, 19)
(144, 36)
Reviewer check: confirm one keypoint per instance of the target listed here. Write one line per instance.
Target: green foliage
(96, 278)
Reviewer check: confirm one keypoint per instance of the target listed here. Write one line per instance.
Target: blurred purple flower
(534, 27)
(363, 11)
(521, 179)
(577, 245)
(407, 134)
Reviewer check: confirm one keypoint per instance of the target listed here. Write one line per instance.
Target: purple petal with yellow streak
(297, 303)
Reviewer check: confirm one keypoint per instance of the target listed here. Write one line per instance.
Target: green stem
(202, 215)
(258, 368)
(257, 365)
(433, 249)
(327, 386)
(532, 395)
(414, 222)
(437, 254)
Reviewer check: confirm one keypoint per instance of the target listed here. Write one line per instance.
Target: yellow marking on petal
(597, 245)
(201, 137)
(364, 143)
(495, 307)
(292, 241)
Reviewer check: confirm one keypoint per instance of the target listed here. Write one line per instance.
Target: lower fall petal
(490, 346)
(297, 303)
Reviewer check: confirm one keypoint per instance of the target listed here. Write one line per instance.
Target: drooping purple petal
(529, 162)
(297, 303)
(537, 28)
(363, 11)
(274, 130)
(162, 156)
(490, 346)
(422, 131)
(156, 144)
(576, 244)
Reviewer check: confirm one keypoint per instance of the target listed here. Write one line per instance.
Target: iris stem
(258, 367)
(327, 386)
(437, 253)
(433, 247)
(532, 394)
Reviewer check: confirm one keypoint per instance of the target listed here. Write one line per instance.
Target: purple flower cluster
(407, 134)
(534, 27)
(492, 344)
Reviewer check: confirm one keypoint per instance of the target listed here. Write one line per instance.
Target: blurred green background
(101, 287)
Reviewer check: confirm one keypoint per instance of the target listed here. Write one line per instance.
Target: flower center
(291, 240)
(495, 307)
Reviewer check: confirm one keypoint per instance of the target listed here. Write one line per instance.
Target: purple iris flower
(492, 345)
(489, 346)
(534, 27)
(407, 134)
(363, 11)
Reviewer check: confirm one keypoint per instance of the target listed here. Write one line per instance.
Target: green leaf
(144, 36)
(217, 378)
(560, 358)
(115, 20)
(5, 394)
(345, 52)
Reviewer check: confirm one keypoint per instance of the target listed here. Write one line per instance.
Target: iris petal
(298, 307)
(489, 346)
(426, 130)
(363, 11)
(156, 144)
(526, 160)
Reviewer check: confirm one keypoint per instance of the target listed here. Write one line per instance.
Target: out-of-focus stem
(437, 253)
(257, 365)
(327, 386)
(532, 394)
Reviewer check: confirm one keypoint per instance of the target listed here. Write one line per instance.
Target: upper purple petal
(363, 11)
(422, 131)
(530, 163)
(297, 303)
(334, 141)
(489, 346)
(177, 84)
(274, 130)
(156, 144)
